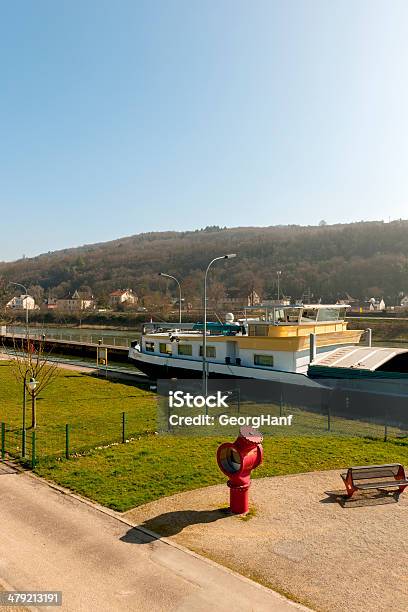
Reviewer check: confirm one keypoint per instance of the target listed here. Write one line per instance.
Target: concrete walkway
(331, 554)
(52, 541)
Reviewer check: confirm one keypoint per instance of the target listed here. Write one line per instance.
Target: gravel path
(10, 608)
(300, 541)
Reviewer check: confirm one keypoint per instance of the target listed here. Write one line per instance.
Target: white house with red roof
(122, 296)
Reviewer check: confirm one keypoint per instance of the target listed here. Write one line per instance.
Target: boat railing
(164, 326)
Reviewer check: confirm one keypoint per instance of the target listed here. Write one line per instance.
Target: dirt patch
(303, 539)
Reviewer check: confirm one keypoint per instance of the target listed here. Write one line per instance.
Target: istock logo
(178, 399)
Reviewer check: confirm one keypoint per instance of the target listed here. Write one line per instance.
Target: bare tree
(31, 362)
(5, 314)
(216, 294)
(37, 292)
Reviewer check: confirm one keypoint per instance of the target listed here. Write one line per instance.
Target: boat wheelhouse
(278, 344)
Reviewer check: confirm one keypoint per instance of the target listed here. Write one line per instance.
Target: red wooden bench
(375, 477)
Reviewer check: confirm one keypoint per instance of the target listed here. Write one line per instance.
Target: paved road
(50, 540)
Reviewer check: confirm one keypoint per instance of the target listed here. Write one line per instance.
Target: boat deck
(359, 357)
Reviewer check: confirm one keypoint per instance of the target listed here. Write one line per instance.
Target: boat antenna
(216, 315)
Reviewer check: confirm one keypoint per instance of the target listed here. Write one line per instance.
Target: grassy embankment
(98, 320)
(383, 330)
(116, 320)
(151, 466)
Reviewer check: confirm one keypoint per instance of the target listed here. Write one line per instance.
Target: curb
(119, 517)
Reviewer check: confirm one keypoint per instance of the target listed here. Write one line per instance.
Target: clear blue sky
(123, 117)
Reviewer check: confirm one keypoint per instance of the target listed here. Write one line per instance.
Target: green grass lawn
(92, 407)
(152, 466)
(128, 475)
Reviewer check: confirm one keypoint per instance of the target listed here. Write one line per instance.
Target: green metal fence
(66, 440)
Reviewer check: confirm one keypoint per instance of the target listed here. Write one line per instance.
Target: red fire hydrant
(236, 460)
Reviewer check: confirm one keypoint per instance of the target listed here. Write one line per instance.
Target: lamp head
(230, 256)
(32, 384)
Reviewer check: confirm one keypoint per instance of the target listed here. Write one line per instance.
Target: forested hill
(361, 259)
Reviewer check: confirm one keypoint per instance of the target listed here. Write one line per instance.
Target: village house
(235, 298)
(76, 302)
(373, 304)
(283, 301)
(125, 296)
(348, 300)
(24, 302)
(50, 304)
(376, 304)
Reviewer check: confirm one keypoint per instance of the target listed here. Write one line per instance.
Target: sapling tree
(31, 362)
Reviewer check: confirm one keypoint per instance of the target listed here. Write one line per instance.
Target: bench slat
(379, 485)
(368, 467)
(368, 476)
(373, 476)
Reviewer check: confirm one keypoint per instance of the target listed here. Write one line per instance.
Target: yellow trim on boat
(291, 339)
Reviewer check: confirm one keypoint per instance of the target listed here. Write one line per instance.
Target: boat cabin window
(210, 350)
(309, 315)
(165, 348)
(258, 330)
(185, 349)
(263, 360)
(287, 315)
(342, 313)
(331, 314)
(292, 315)
(279, 315)
(149, 347)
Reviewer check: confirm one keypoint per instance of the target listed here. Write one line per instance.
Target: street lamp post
(32, 386)
(205, 373)
(26, 293)
(23, 444)
(179, 287)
